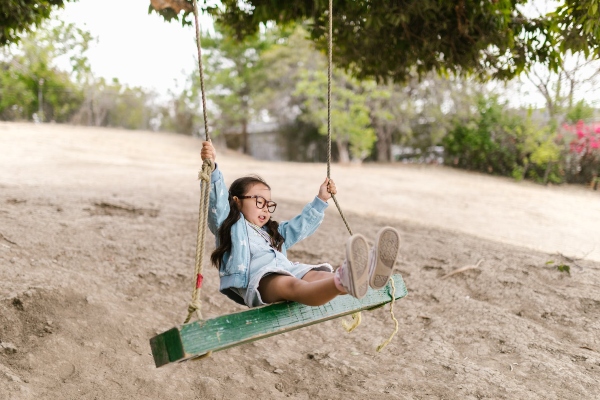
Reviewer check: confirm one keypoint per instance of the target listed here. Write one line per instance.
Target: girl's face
(253, 214)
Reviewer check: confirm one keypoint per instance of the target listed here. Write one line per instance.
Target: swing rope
(195, 304)
(204, 176)
(356, 317)
(329, 73)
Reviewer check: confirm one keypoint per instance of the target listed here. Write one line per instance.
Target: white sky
(137, 48)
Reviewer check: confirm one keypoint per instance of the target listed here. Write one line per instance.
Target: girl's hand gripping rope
(208, 152)
(327, 189)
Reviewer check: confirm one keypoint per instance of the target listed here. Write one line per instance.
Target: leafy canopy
(20, 16)
(389, 39)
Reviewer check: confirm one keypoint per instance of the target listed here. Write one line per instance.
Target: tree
(390, 110)
(182, 113)
(579, 26)
(231, 68)
(116, 105)
(35, 84)
(281, 65)
(351, 126)
(385, 39)
(575, 73)
(20, 16)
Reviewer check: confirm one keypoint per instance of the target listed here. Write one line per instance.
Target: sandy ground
(97, 245)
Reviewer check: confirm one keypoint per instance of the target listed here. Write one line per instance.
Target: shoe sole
(387, 245)
(357, 255)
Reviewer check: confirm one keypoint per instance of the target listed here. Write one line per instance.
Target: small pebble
(278, 371)
(8, 348)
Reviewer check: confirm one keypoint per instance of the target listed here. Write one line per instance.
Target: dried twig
(463, 269)
(8, 240)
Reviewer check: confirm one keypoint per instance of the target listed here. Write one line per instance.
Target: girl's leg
(317, 289)
(313, 275)
(274, 288)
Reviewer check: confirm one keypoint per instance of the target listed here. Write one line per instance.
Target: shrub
(583, 160)
(498, 140)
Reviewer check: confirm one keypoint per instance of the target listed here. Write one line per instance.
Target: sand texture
(97, 246)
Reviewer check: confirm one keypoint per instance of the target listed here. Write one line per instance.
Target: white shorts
(251, 295)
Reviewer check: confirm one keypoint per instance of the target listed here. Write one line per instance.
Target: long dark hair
(238, 188)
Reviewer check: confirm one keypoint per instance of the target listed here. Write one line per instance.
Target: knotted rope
(396, 325)
(195, 304)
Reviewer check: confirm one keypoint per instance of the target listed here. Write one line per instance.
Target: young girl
(251, 247)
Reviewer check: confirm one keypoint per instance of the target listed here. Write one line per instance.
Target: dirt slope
(97, 242)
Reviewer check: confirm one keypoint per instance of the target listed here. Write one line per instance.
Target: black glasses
(261, 202)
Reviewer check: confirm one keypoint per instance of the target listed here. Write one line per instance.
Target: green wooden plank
(197, 338)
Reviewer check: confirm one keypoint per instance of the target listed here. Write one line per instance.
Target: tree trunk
(343, 151)
(245, 147)
(547, 173)
(384, 144)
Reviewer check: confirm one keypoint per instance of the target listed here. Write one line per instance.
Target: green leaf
(564, 268)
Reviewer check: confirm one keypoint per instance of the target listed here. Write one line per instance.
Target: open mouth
(262, 218)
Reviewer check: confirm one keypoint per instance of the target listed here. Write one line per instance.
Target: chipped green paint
(197, 338)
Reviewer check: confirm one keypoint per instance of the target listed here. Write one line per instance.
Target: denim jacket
(235, 263)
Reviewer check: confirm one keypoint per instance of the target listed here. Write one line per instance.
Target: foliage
(474, 144)
(579, 27)
(18, 17)
(232, 67)
(282, 65)
(182, 113)
(31, 74)
(496, 141)
(488, 38)
(574, 74)
(350, 122)
(581, 111)
(16, 100)
(583, 140)
(47, 77)
(116, 105)
(564, 268)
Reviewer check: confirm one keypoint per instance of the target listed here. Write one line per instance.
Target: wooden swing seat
(200, 337)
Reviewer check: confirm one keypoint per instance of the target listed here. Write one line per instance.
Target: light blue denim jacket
(235, 263)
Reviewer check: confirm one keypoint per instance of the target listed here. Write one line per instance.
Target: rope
(396, 325)
(195, 304)
(201, 69)
(204, 176)
(356, 317)
(329, 69)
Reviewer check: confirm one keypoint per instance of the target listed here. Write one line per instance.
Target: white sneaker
(383, 256)
(354, 272)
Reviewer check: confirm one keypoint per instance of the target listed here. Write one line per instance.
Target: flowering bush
(583, 161)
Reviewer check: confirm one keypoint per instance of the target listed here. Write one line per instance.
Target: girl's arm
(218, 207)
(305, 224)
